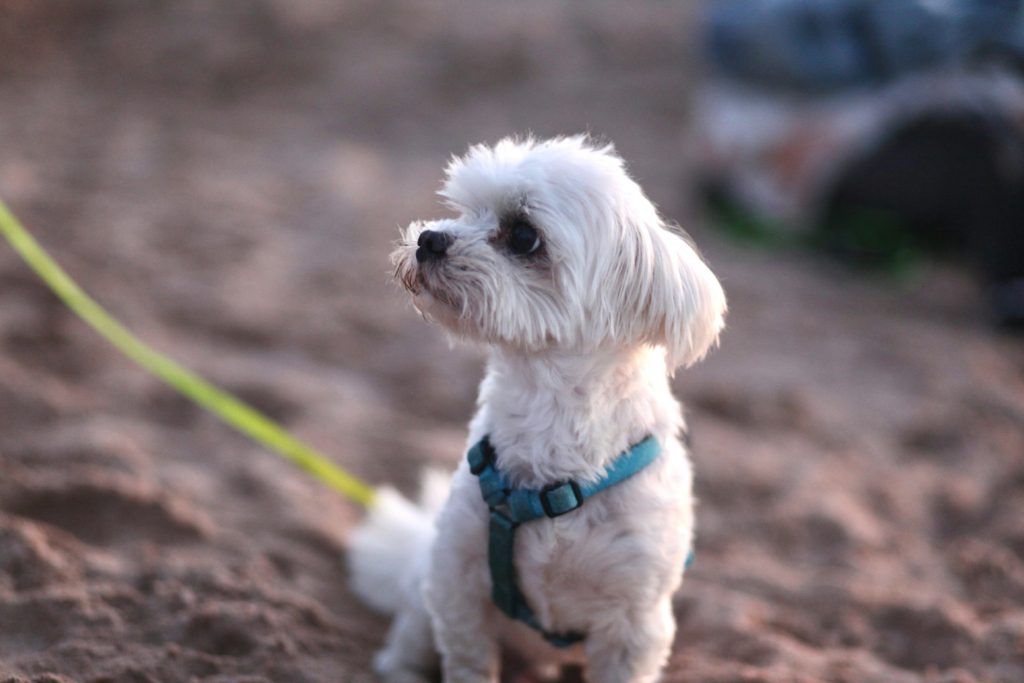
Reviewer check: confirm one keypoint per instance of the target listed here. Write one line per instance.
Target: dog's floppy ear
(671, 295)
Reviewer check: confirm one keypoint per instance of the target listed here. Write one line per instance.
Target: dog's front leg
(458, 597)
(409, 656)
(633, 649)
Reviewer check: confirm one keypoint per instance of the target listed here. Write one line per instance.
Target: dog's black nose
(432, 245)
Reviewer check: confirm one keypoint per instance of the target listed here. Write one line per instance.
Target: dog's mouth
(429, 282)
(423, 279)
(408, 275)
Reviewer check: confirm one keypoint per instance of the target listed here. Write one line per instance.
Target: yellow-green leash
(228, 408)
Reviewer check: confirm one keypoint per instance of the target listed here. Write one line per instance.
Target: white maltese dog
(565, 531)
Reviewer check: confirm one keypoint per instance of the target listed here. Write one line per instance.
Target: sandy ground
(227, 178)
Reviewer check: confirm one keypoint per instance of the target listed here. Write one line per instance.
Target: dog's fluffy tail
(389, 548)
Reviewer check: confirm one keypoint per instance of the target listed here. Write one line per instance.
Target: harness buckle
(561, 498)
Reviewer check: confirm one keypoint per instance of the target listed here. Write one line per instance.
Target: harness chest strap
(511, 507)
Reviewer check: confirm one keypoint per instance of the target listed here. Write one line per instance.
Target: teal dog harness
(511, 507)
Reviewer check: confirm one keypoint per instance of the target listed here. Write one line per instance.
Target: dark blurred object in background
(879, 129)
(808, 45)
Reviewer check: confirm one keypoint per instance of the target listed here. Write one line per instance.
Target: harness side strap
(500, 553)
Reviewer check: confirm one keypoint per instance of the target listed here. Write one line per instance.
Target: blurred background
(228, 178)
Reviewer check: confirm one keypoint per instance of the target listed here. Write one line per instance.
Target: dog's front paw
(391, 669)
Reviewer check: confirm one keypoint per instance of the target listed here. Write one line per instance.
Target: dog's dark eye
(523, 238)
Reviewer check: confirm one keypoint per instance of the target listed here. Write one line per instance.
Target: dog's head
(555, 246)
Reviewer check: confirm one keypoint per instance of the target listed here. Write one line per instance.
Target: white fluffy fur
(394, 530)
(582, 339)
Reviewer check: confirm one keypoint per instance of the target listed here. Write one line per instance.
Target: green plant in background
(871, 238)
(874, 239)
